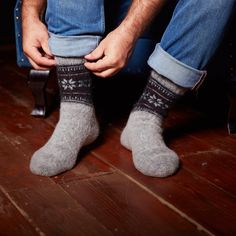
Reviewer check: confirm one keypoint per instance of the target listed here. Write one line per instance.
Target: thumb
(98, 53)
(45, 48)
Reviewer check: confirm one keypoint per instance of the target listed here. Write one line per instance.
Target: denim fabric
(189, 41)
(191, 38)
(75, 26)
(175, 70)
(196, 29)
(72, 46)
(75, 17)
(115, 12)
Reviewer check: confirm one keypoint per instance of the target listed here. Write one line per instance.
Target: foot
(143, 136)
(76, 128)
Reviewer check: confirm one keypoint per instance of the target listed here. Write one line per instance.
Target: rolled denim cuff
(173, 69)
(72, 46)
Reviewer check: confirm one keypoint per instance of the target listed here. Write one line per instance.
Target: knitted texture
(143, 132)
(159, 95)
(75, 83)
(77, 125)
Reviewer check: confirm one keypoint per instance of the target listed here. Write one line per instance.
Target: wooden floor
(104, 194)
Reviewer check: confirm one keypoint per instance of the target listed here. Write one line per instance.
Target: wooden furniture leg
(37, 82)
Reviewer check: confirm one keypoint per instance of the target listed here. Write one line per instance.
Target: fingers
(37, 67)
(99, 66)
(35, 44)
(105, 67)
(38, 60)
(107, 73)
(97, 54)
(46, 49)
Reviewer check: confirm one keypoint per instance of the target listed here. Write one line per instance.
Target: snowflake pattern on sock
(156, 98)
(75, 84)
(68, 84)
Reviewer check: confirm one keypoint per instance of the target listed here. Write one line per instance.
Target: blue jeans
(189, 41)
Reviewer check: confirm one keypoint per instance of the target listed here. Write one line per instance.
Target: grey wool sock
(77, 125)
(143, 132)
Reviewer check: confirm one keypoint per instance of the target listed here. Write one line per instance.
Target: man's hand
(111, 55)
(35, 35)
(35, 45)
(113, 52)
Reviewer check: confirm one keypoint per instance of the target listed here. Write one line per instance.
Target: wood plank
(126, 209)
(70, 180)
(216, 166)
(42, 195)
(205, 129)
(21, 191)
(89, 170)
(205, 203)
(219, 138)
(56, 214)
(205, 200)
(206, 160)
(200, 155)
(208, 150)
(11, 221)
(28, 134)
(19, 138)
(48, 206)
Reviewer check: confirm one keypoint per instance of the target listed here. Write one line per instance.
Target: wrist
(32, 11)
(131, 35)
(30, 20)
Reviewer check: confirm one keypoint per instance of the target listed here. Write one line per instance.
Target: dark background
(6, 22)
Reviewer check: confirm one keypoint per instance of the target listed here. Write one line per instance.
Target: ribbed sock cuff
(66, 61)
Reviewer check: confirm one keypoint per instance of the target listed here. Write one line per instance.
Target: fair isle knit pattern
(75, 83)
(156, 98)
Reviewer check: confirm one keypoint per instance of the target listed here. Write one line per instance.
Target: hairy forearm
(140, 15)
(33, 9)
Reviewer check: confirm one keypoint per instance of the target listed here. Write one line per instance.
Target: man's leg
(177, 63)
(75, 27)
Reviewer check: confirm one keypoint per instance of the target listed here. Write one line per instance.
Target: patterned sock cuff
(159, 96)
(75, 83)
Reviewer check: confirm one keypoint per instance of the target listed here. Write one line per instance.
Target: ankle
(159, 96)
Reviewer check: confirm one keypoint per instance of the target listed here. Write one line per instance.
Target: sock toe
(76, 128)
(39, 164)
(156, 163)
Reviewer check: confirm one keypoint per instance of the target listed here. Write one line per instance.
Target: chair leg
(37, 82)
